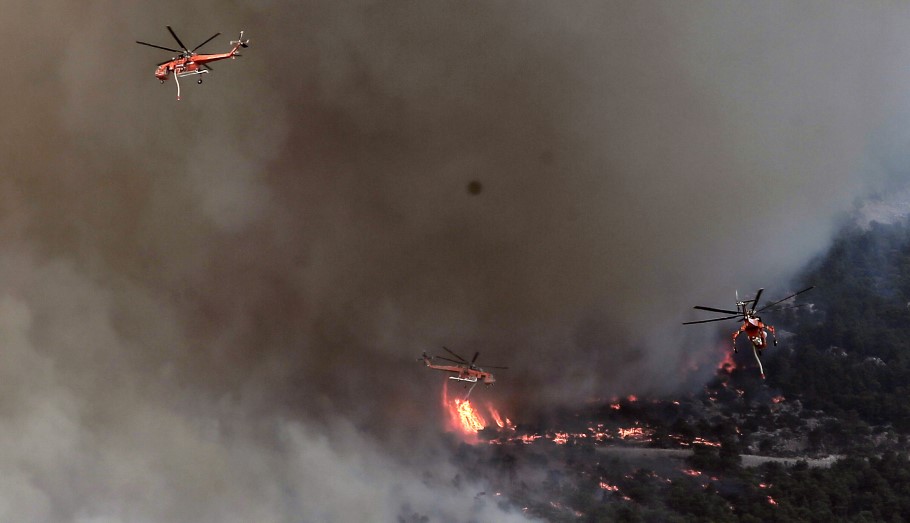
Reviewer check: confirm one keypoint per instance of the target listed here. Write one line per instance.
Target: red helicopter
(465, 370)
(189, 62)
(752, 325)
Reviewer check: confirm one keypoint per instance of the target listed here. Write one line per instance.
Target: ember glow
(707, 443)
(727, 365)
(599, 434)
(608, 487)
(692, 472)
(636, 433)
(771, 501)
(630, 432)
(777, 399)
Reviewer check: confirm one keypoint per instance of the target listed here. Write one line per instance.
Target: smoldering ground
(211, 308)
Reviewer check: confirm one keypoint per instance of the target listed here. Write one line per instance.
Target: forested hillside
(850, 356)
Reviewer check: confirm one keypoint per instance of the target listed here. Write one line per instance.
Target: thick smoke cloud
(211, 309)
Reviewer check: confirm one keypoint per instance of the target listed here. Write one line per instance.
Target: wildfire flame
(470, 419)
(707, 443)
(462, 415)
(498, 419)
(630, 432)
(727, 365)
(465, 418)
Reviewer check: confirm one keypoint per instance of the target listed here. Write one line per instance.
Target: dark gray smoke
(211, 308)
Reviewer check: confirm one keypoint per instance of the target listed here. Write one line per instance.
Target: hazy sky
(210, 309)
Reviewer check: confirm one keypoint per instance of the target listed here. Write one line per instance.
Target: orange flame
(471, 420)
(462, 416)
(498, 419)
(727, 365)
(608, 487)
(632, 432)
(707, 443)
(466, 419)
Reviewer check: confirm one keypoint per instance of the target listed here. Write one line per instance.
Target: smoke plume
(211, 308)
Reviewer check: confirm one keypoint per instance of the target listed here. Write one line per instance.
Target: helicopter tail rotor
(240, 41)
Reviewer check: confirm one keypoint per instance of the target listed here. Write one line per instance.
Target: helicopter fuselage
(467, 373)
(754, 329)
(190, 65)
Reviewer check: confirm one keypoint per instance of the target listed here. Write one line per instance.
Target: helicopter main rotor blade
(207, 67)
(712, 309)
(713, 319)
(788, 307)
(475, 357)
(203, 43)
(461, 360)
(158, 47)
(787, 298)
(493, 367)
(443, 358)
(178, 40)
(755, 300)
